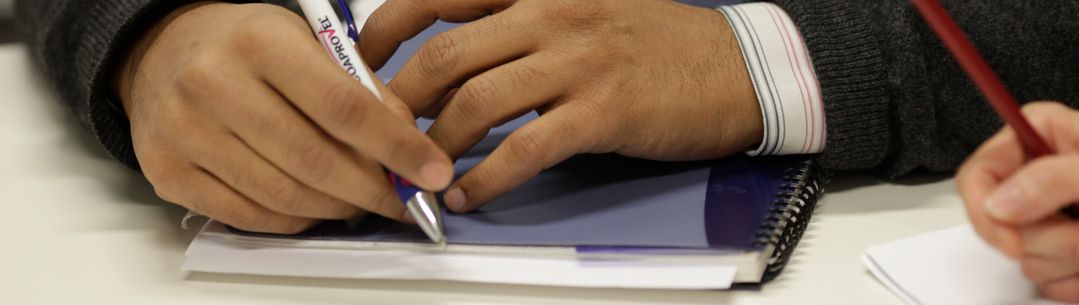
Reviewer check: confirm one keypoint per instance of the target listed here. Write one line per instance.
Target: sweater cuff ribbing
(850, 67)
(108, 43)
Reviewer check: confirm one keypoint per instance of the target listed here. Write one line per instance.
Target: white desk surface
(80, 229)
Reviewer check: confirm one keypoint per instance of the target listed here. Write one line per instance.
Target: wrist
(126, 73)
(740, 106)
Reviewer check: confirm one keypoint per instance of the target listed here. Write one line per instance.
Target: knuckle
(439, 55)
(590, 107)
(345, 106)
(163, 175)
(200, 74)
(168, 119)
(314, 162)
(600, 59)
(1040, 177)
(168, 193)
(281, 194)
(475, 95)
(267, 122)
(574, 14)
(561, 9)
(523, 75)
(525, 146)
(258, 28)
(378, 23)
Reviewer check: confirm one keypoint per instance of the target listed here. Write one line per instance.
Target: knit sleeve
(895, 100)
(78, 44)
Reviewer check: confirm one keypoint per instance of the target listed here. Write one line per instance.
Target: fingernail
(1005, 203)
(455, 199)
(436, 174)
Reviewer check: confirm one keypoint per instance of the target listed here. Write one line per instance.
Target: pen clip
(353, 32)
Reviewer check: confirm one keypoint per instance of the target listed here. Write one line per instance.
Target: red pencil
(987, 81)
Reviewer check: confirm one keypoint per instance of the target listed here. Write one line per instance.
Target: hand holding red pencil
(1016, 183)
(1013, 203)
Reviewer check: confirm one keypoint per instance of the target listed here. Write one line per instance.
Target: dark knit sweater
(894, 99)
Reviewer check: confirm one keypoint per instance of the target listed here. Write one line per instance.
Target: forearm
(895, 101)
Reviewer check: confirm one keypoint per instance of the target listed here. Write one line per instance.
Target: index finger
(398, 20)
(540, 144)
(313, 82)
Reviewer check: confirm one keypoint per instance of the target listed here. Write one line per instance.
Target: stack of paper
(220, 251)
(950, 267)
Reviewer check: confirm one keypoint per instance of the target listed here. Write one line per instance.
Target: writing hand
(239, 114)
(1014, 204)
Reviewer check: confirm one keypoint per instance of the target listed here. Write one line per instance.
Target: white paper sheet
(216, 254)
(950, 267)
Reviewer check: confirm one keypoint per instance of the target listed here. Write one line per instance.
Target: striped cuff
(783, 77)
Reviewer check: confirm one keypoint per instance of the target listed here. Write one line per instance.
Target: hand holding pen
(422, 205)
(237, 113)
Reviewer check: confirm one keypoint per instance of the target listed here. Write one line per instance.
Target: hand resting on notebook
(651, 79)
(1013, 204)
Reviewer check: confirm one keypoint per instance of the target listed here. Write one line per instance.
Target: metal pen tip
(424, 208)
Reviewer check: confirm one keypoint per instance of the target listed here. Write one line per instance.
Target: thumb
(1037, 191)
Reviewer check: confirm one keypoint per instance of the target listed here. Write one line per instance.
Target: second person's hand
(1014, 203)
(239, 114)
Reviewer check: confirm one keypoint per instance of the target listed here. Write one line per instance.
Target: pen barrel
(422, 205)
(405, 189)
(334, 39)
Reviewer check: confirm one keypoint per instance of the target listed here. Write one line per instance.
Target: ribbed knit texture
(78, 44)
(895, 101)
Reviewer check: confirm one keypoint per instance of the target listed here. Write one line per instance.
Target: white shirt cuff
(783, 76)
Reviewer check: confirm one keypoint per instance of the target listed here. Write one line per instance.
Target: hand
(1013, 204)
(643, 78)
(239, 114)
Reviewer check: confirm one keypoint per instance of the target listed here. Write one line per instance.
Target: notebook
(950, 267)
(747, 213)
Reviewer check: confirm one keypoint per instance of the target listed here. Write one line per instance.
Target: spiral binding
(790, 214)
